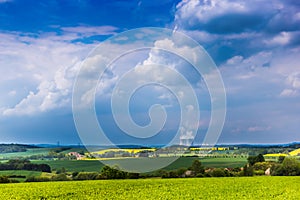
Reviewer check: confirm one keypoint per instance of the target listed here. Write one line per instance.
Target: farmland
(95, 165)
(19, 175)
(64, 160)
(29, 152)
(193, 188)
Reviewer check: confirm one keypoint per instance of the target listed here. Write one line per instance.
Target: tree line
(24, 165)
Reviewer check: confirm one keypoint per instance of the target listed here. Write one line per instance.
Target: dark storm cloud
(233, 23)
(240, 27)
(239, 16)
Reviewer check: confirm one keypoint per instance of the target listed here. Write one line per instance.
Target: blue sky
(255, 45)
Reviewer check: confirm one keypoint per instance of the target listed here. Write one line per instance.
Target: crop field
(122, 150)
(73, 165)
(295, 152)
(19, 173)
(182, 162)
(201, 188)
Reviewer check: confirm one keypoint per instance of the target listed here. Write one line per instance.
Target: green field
(182, 162)
(209, 162)
(73, 165)
(29, 152)
(20, 173)
(201, 188)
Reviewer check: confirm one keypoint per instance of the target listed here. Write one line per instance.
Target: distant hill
(11, 148)
(294, 145)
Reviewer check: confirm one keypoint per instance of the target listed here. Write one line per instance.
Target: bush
(172, 174)
(16, 176)
(291, 167)
(37, 179)
(61, 171)
(74, 174)
(181, 172)
(262, 166)
(218, 173)
(200, 175)
(14, 181)
(60, 177)
(112, 173)
(160, 173)
(277, 170)
(236, 169)
(133, 175)
(259, 172)
(234, 174)
(4, 179)
(248, 171)
(87, 176)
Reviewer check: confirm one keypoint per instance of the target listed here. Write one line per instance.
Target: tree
(251, 160)
(291, 167)
(281, 159)
(45, 168)
(108, 172)
(24, 165)
(197, 167)
(254, 159)
(248, 170)
(260, 158)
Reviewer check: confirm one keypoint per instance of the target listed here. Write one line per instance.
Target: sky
(254, 44)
